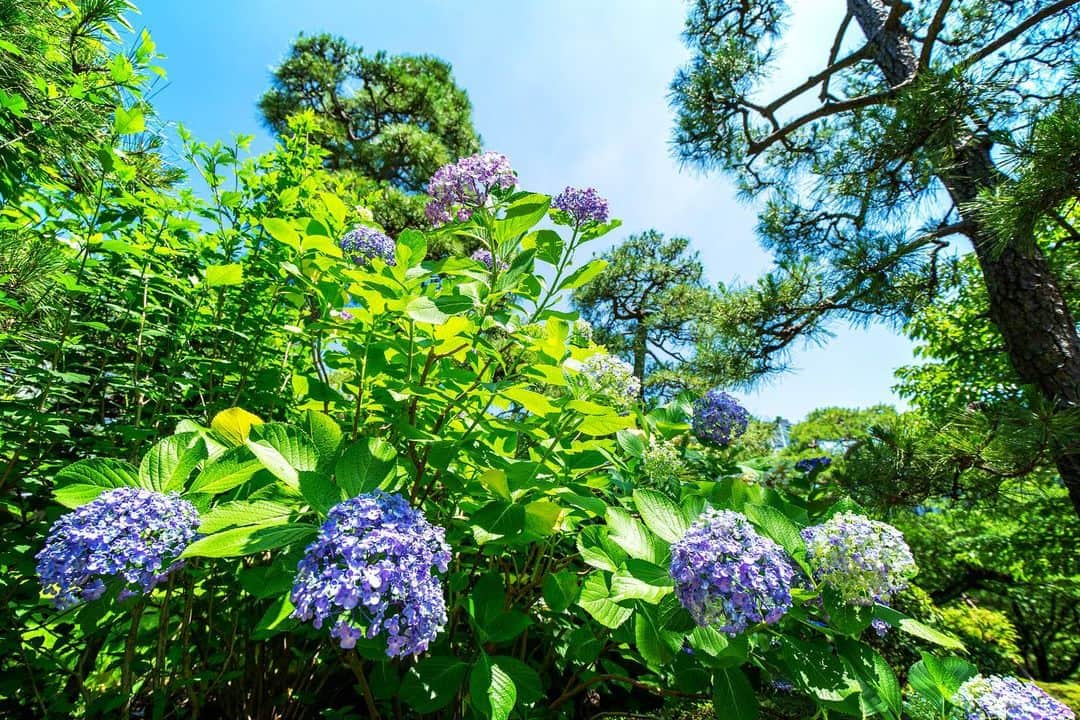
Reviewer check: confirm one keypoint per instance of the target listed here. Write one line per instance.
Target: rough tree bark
(1026, 303)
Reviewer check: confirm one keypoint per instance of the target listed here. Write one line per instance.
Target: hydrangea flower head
(362, 244)
(612, 379)
(662, 463)
(459, 188)
(485, 258)
(866, 561)
(581, 333)
(728, 575)
(808, 465)
(127, 533)
(719, 418)
(372, 570)
(999, 697)
(583, 205)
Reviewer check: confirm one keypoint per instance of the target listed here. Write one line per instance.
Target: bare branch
(936, 24)
(1032, 20)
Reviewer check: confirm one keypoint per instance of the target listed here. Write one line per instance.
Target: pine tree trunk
(641, 349)
(1026, 303)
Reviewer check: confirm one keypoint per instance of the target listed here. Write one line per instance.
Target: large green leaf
(916, 629)
(81, 482)
(656, 645)
(324, 432)
(249, 540)
(491, 689)
(596, 599)
(630, 535)
(365, 465)
(583, 274)
(661, 514)
(433, 683)
(560, 590)
(240, 512)
(229, 471)
(733, 697)
(597, 550)
(777, 526)
(166, 467)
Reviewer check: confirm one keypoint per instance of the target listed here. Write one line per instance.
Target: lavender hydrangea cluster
(612, 379)
(363, 244)
(999, 697)
(728, 575)
(127, 533)
(485, 258)
(372, 570)
(719, 418)
(866, 561)
(808, 465)
(583, 205)
(459, 188)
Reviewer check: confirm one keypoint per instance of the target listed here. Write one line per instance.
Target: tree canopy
(941, 124)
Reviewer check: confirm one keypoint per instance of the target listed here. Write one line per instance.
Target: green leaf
(129, 121)
(325, 432)
(282, 231)
(632, 443)
(319, 492)
(365, 465)
(495, 481)
(630, 535)
(491, 689)
(83, 481)
(661, 514)
(548, 243)
(224, 275)
(500, 519)
(627, 587)
(521, 216)
(275, 620)
(596, 600)
(560, 590)
(227, 472)
(170, 461)
(526, 680)
(733, 697)
(424, 310)
(848, 619)
(410, 249)
(655, 644)
(938, 680)
(583, 274)
(778, 527)
(433, 683)
(249, 540)
(916, 629)
(597, 550)
(240, 512)
(234, 425)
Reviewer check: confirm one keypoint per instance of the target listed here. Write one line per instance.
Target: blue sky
(573, 91)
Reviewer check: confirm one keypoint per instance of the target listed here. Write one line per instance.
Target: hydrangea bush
(997, 697)
(456, 510)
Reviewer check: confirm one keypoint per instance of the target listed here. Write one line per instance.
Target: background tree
(647, 306)
(940, 114)
(393, 119)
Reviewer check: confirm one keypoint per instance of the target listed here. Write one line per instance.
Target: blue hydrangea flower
(363, 244)
(583, 205)
(866, 561)
(372, 571)
(999, 697)
(808, 465)
(127, 533)
(719, 418)
(485, 258)
(728, 575)
(609, 378)
(459, 188)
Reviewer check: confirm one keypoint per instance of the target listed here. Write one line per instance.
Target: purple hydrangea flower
(362, 244)
(999, 697)
(726, 574)
(880, 627)
(719, 418)
(808, 465)
(484, 257)
(129, 533)
(459, 188)
(583, 205)
(866, 561)
(371, 571)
